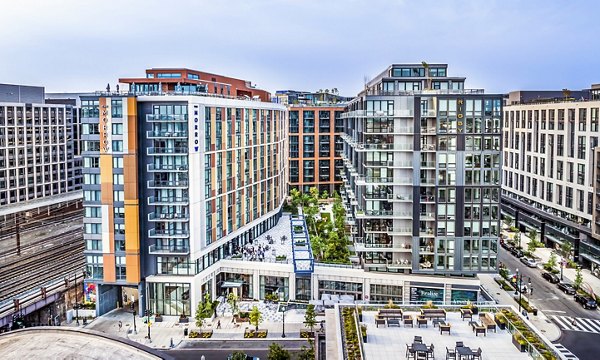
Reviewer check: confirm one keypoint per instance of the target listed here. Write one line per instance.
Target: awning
(231, 284)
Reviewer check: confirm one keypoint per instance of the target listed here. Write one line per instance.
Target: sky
(81, 45)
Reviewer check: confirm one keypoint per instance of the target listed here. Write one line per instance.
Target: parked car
(516, 252)
(586, 301)
(566, 288)
(248, 357)
(551, 277)
(529, 262)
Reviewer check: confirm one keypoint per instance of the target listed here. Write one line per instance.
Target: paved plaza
(390, 342)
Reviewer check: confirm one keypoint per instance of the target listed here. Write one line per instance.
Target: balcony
(428, 181)
(384, 146)
(167, 151)
(170, 217)
(378, 114)
(428, 147)
(166, 118)
(154, 200)
(384, 213)
(164, 167)
(154, 184)
(168, 250)
(400, 264)
(427, 164)
(427, 216)
(166, 134)
(163, 233)
(427, 199)
(361, 180)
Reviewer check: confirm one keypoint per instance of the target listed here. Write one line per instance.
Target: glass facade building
(422, 173)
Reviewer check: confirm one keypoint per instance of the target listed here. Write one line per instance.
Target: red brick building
(181, 80)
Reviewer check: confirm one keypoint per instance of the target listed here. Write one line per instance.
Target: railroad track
(63, 239)
(28, 272)
(30, 225)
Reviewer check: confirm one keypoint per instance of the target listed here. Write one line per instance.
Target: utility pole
(18, 233)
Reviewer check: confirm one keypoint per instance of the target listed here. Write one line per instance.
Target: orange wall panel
(109, 268)
(133, 268)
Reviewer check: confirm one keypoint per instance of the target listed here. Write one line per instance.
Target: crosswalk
(581, 324)
(565, 352)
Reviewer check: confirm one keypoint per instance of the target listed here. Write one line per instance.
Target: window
(119, 212)
(117, 145)
(121, 268)
(119, 229)
(93, 228)
(117, 129)
(118, 195)
(118, 179)
(580, 174)
(91, 195)
(116, 108)
(193, 76)
(168, 75)
(93, 212)
(118, 162)
(91, 162)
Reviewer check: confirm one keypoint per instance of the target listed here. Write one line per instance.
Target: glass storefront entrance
(171, 299)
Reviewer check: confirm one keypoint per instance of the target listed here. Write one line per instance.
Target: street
(216, 354)
(220, 349)
(583, 338)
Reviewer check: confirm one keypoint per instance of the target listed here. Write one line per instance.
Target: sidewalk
(169, 333)
(547, 327)
(543, 255)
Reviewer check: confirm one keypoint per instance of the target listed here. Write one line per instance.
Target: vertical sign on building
(460, 125)
(196, 129)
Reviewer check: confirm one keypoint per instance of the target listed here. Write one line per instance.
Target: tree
(318, 246)
(531, 246)
(532, 234)
(310, 317)
(324, 195)
(205, 309)
(238, 355)
(566, 249)
(232, 300)
(307, 352)
(508, 220)
(255, 317)
(276, 352)
(426, 66)
(566, 93)
(578, 278)
(552, 261)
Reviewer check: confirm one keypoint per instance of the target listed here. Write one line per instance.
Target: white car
(529, 262)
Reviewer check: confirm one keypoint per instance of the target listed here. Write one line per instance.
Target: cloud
(70, 45)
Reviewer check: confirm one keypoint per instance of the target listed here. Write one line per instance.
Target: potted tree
(310, 320)
(359, 309)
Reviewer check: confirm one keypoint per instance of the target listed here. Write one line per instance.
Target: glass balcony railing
(166, 118)
(165, 167)
(168, 217)
(166, 134)
(166, 200)
(167, 150)
(169, 249)
(167, 184)
(164, 233)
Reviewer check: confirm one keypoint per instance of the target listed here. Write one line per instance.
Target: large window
(274, 285)
(171, 299)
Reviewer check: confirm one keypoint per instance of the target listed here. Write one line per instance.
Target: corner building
(422, 178)
(178, 182)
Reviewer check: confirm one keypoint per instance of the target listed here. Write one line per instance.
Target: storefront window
(462, 296)
(422, 294)
(385, 293)
(341, 288)
(239, 284)
(172, 299)
(303, 288)
(274, 285)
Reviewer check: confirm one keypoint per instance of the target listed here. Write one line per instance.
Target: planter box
(260, 334)
(307, 334)
(521, 348)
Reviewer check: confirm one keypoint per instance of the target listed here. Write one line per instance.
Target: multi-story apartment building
(315, 145)
(187, 81)
(422, 178)
(321, 97)
(175, 182)
(39, 156)
(549, 158)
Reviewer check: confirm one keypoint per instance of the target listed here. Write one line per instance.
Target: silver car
(529, 262)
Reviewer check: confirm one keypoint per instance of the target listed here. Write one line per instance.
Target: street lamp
(284, 309)
(519, 287)
(562, 263)
(134, 327)
(530, 287)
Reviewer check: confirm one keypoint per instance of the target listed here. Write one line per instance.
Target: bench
(477, 328)
(488, 321)
(395, 322)
(408, 320)
(466, 314)
(434, 313)
(444, 328)
(390, 313)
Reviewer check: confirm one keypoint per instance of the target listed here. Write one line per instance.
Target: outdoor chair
(450, 354)
(418, 339)
(430, 352)
(477, 354)
(459, 344)
(410, 352)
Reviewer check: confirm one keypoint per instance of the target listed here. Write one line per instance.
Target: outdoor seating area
(419, 341)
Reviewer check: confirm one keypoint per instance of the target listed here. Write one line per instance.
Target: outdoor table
(464, 351)
(419, 348)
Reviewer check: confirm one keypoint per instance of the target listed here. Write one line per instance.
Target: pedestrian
(219, 324)
(120, 325)
(202, 357)
(574, 322)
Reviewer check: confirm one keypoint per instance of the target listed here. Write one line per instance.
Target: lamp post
(519, 287)
(530, 286)
(148, 313)
(562, 263)
(284, 310)
(134, 327)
